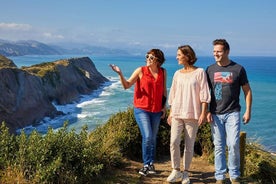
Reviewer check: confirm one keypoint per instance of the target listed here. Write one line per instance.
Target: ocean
(95, 109)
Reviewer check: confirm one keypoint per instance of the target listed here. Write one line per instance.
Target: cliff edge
(27, 94)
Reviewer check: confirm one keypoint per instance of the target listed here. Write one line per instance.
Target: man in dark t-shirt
(225, 79)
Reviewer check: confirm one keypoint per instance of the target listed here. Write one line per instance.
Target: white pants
(190, 128)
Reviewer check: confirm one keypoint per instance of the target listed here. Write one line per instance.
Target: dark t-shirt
(225, 83)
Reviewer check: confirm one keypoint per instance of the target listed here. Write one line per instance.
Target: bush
(120, 135)
(57, 157)
(63, 156)
(259, 165)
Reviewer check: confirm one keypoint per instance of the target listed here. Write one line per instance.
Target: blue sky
(248, 25)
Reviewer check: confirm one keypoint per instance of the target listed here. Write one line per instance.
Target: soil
(200, 172)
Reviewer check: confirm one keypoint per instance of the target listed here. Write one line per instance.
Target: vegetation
(5, 62)
(42, 69)
(64, 156)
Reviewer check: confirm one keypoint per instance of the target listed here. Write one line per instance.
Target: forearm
(204, 108)
(248, 98)
(248, 103)
(124, 82)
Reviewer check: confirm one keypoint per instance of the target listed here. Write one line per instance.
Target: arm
(202, 117)
(171, 97)
(248, 101)
(165, 94)
(209, 115)
(133, 78)
(165, 83)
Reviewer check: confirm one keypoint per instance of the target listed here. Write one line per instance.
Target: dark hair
(188, 51)
(158, 54)
(222, 42)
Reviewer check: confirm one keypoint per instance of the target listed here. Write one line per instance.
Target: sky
(248, 25)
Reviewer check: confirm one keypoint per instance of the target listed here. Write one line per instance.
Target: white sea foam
(73, 112)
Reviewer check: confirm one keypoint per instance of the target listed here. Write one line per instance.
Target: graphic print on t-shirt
(219, 79)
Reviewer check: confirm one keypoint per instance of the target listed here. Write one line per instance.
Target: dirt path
(200, 172)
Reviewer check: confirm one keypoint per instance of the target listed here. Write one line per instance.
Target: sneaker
(152, 169)
(175, 174)
(220, 182)
(185, 178)
(235, 181)
(144, 171)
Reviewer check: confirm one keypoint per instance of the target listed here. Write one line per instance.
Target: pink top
(187, 92)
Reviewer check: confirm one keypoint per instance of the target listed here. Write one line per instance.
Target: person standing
(226, 78)
(150, 88)
(188, 99)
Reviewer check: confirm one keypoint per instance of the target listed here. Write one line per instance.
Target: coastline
(114, 99)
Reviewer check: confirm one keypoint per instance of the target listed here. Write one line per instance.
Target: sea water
(94, 110)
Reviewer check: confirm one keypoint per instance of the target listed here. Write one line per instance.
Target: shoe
(235, 181)
(185, 178)
(152, 169)
(175, 174)
(220, 182)
(144, 171)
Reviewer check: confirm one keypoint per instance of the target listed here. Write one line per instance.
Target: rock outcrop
(27, 94)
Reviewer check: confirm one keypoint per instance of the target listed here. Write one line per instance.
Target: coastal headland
(28, 93)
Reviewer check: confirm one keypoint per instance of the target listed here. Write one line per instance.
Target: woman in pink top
(188, 99)
(150, 87)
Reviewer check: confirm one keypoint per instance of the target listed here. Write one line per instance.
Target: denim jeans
(148, 123)
(226, 131)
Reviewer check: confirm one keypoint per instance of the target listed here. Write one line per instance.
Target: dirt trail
(200, 172)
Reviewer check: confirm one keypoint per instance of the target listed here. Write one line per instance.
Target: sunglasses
(150, 56)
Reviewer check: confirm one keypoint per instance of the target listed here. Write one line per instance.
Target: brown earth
(200, 172)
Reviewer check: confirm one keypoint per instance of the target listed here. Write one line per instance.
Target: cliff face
(27, 94)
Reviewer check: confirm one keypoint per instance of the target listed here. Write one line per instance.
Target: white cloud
(52, 36)
(15, 27)
(167, 45)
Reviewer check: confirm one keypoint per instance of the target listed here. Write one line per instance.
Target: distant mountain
(31, 47)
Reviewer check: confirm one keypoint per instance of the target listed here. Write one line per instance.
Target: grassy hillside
(64, 156)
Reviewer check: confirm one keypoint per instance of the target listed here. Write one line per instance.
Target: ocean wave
(73, 112)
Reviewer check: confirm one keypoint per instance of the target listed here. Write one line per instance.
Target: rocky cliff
(27, 94)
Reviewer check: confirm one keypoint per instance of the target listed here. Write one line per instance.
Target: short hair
(188, 51)
(222, 42)
(158, 54)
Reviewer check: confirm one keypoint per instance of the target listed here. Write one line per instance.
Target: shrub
(259, 164)
(119, 136)
(63, 156)
(57, 157)
(7, 147)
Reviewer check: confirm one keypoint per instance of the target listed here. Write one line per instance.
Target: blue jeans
(148, 123)
(226, 131)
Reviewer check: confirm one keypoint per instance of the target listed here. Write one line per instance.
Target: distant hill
(31, 47)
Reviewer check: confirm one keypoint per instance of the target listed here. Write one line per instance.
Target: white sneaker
(175, 174)
(185, 178)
